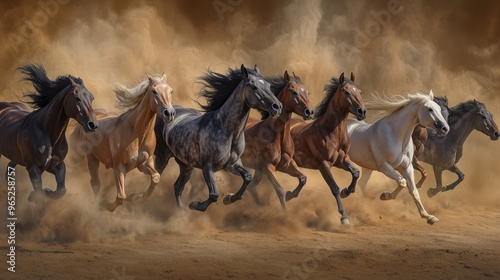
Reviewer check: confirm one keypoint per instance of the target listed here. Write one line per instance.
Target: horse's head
(161, 101)
(429, 115)
(350, 97)
(79, 106)
(258, 94)
(295, 97)
(443, 104)
(483, 121)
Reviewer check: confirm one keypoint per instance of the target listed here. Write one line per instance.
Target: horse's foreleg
(270, 172)
(184, 175)
(438, 173)
(238, 169)
(408, 173)
(257, 177)
(59, 171)
(36, 195)
(294, 170)
(208, 175)
(349, 166)
(147, 168)
(461, 176)
(93, 165)
(416, 165)
(119, 171)
(390, 172)
(334, 188)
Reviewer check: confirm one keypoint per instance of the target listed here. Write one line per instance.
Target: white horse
(387, 146)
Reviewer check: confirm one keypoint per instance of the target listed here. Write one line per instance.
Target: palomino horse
(268, 143)
(386, 145)
(324, 142)
(37, 139)
(214, 141)
(420, 135)
(443, 153)
(128, 141)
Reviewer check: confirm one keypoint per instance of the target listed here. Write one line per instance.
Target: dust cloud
(393, 47)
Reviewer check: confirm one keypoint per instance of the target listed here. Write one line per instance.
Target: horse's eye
(294, 92)
(78, 99)
(483, 117)
(348, 93)
(154, 91)
(431, 110)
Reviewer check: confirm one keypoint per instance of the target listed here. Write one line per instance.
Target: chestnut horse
(268, 143)
(214, 141)
(127, 141)
(324, 142)
(37, 139)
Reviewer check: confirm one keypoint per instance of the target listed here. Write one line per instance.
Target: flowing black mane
(456, 112)
(278, 83)
(218, 87)
(45, 89)
(330, 90)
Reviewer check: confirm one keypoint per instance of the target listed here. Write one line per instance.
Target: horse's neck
(335, 117)
(404, 122)
(234, 112)
(52, 118)
(461, 129)
(282, 122)
(143, 117)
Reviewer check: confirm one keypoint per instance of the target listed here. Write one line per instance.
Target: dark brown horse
(37, 139)
(420, 135)
(268, 143)
(325, 142)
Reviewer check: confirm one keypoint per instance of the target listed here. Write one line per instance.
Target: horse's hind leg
(349, 166)
(185, 172)
(270, 171)
(294, 170)
(120, 172)
(208, 175)
(438, 173)
(363, 181)
(461, 176)
(419, 167)
(37, 196)
(238, 169)
(147, 168)
(93, 165)
(257, 177)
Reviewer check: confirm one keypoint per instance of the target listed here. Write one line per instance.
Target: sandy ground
(387, 240)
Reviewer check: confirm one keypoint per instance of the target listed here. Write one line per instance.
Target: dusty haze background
(451, 47)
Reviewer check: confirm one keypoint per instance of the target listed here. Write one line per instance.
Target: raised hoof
(344, 193)
(289, 196)
(230, 198)
(54, 194)
(195, 205)
(345, 221)
(385, 196)
(432, 220)
(431, 192)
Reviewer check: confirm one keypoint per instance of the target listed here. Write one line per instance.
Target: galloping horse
(324, 142)
(37, 139)
(215, 140)
(128, 141)
(386, 145)
(268, 143)
(443, 153)
(420, 135)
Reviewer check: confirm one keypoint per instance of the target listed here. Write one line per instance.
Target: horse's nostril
(307, 112)
(276, 106)
(444, 129)
(496, 134)
(360, 111)
(91, 125)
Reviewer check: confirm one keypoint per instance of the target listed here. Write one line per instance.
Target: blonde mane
(129, 98)
(388, 105)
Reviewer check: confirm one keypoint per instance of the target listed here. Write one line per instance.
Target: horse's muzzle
(494, 136)
(307, 114)
(275, 109)
(441, 128)
(90, 126)
(168, 115)
(360, 114)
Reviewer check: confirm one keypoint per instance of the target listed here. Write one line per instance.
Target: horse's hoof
(344, 193)
(385, 196)
(54, 194)
(228, 199)
(345, 221)
(431, 192)
(195, 205)
(289, 196)
(432, 220)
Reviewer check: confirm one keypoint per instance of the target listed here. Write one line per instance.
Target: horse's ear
(446, 100)
(149, 77)
(431, 95)
(352, 77)
(341, 79)
(256, 69)
(73, 83)
(286, 76)
(244, 70)
(296, 77)
(475, 103)
(164, 77)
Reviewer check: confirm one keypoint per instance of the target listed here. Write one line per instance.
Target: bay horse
(386, 145)
(37, 139)
(443, 153)
(268, 143)
(215, 140)
(420, 135)
(127, 141)
(324, 142)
